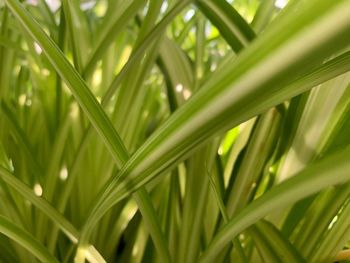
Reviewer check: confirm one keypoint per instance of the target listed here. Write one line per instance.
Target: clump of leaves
(174, 131)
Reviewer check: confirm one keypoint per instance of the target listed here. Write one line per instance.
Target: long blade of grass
(329, 171)
(139, 51)
(151, 221)
(231, 25)
(22, 237)
(318, 112)
(264, 249)
(137, 54)
(22, 139)
(334, 240)
(177, 71)
(263, 14)
(78, 31)
(324, 212)
(280, 245)
(46, 208)
(78, 87)
(81, 92)
(259, 150)
(220, 203)
(257, 80)
(112, 25)
(197, 186)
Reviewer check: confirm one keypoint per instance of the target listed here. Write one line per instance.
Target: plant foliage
(174, 131)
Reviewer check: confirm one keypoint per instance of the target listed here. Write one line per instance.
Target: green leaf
(151, 221)
(332, 170)
(22, 139)
(259, 150)
(22, 237)
(139, 51)
(178, 88)
(78, 31)
(47, 209)
(281, 246)
(266, 252)
(263, 15)
(113, 23)
(74, 81)
(314, 125)
(333, 241)
(195, 200)
(77, 85)
(257, 80)
(231, 25)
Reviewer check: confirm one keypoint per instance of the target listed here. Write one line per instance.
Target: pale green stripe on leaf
(257, 80)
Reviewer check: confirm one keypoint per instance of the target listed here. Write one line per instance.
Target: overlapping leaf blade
(74, 81)
(330, 171)
(263, 71)
(22, 237)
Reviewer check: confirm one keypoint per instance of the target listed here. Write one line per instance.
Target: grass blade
(113, 23)
(74, 81)
(228, 99)
(282, 247)
(231, 25)
(22, 237)
(46, 208)
(311, 180)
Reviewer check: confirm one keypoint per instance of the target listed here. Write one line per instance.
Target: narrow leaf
(330, 171)
(22, 237)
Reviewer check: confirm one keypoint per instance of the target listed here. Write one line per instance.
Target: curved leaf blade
(47, 209)
(329, 171)
(260, 77)
(74, 81)
(231, 25)
(23, 238)
(282, 246)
